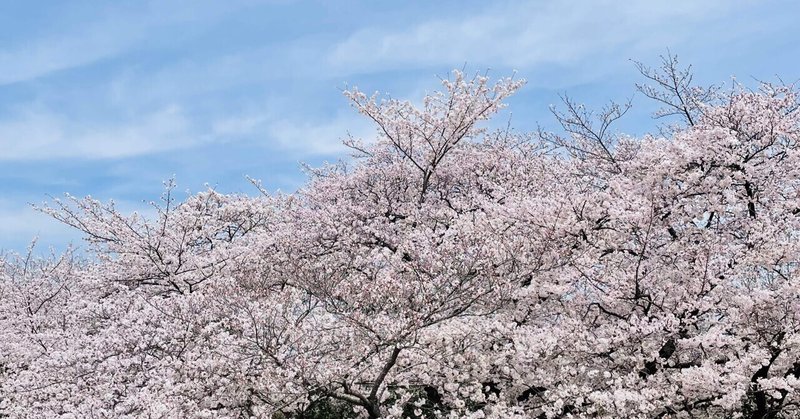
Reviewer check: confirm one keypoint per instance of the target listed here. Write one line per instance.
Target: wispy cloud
(525, 34)
(309, 137)
(41, 134)
(103, 33)
(56, 53)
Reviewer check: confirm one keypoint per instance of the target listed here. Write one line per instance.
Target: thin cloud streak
(524, 35)
(110, 32)
(44, 135)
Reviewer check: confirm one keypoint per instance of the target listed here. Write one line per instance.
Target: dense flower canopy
(446, 271)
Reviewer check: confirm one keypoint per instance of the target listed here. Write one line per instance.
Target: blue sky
(109, 99)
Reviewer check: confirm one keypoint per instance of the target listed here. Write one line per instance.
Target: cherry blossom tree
(445, 270)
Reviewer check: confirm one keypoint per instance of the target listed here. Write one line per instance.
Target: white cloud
(524, 35)
(35, 133)
(104, 33)
(322, 137)
(238, 125)
(38, 134)
(44, 56)
(307, 137)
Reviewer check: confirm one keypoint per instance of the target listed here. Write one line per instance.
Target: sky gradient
(109, 99)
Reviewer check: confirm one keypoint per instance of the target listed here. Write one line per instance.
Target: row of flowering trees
(447, 271)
